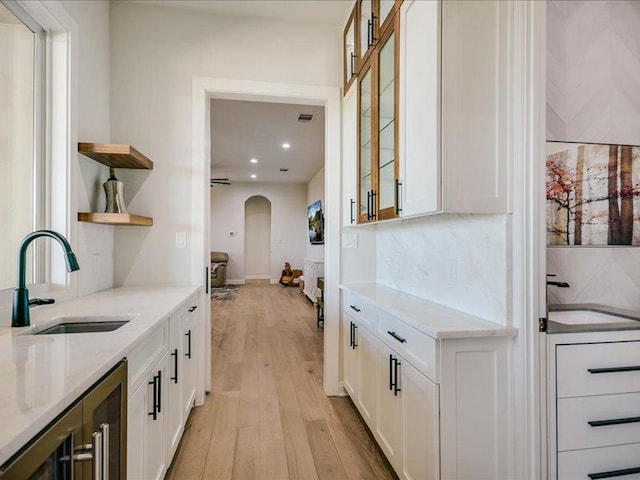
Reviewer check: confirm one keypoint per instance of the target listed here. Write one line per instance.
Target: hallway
(267, 416)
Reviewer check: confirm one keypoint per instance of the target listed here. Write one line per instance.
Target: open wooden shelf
(115, 155)
(115, 219)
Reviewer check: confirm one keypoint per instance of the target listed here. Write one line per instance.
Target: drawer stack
(598, 409)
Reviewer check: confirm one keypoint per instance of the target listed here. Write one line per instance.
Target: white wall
(95, 241)
(257, 237)
(417, 256)
(315, 192)
(593, 69)
(288, 224)
(155, 52)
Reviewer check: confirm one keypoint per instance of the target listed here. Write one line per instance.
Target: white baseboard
(257, 277)
(237, 281)
(274, 280)
(342, 392)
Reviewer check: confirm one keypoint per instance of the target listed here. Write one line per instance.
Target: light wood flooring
(267, 417)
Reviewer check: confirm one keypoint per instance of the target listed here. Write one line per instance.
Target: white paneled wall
(608, 276)
(593, 70)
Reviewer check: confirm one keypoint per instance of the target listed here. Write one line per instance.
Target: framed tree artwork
(593, 194)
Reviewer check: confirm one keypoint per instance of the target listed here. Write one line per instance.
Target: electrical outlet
(452, 272)
(181, 239)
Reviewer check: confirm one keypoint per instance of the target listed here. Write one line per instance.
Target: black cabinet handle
(614, 369)
(192, 309)
(353, 69)
(398, 185)
(188, 354)
(206, 279)
(159, 391)
(373, 29)
(614, 473)
(353, 203)
(368, 205)
(390, 372)
(351, 334)
(397, 337)
(174, 354)
(373, 204)
(354, 336)
(614, 421)
(355, 308)
(154, 411)
(396, 389)
(369, 43)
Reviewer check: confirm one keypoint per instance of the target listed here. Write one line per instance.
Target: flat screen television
(316, 223)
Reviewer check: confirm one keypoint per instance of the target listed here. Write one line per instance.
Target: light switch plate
(349, 240)
(181, 239)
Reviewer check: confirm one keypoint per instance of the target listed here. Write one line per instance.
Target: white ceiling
(7, 17)
(241, 130)
(314, 11)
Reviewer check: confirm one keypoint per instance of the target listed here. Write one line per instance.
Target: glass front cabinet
(378, 127)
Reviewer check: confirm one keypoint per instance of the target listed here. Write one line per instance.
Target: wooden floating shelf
(115, 219)
(115, 155)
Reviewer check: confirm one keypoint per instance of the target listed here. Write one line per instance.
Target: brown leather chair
(219, 262)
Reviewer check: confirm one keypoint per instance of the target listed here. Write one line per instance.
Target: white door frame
(203, 90)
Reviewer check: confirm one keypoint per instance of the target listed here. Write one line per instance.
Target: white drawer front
(578, 464)
(146, 354)
(598, 368)
(360, 309)
(574, 415)
(417, 347)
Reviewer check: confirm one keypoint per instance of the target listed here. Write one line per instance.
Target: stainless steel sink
(82, 324)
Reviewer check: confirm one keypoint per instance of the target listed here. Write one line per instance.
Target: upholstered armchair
(219, 269)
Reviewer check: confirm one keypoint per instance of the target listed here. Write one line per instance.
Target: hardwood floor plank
(328, 463)
(267, 416)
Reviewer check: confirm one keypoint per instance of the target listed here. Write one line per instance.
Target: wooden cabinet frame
(373, 65)
(348, 79)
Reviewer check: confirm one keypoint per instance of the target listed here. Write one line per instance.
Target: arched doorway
(257, 238)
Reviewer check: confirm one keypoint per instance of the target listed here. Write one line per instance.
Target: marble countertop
(40, 375)
(434, 319)
(558, 327)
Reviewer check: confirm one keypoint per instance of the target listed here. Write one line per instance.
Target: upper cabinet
(350, 53)
(433, 126)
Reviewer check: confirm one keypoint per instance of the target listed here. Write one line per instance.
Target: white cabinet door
(388, 428)
(349, 155)
(350, 349)
(174, 420)
(189, 360)
(420, 107)
(476, 93)
(137, 414)
(366, 397)
(421, 421)
(155, 449)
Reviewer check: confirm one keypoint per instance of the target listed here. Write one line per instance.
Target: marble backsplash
(605, 275)
(456, 260)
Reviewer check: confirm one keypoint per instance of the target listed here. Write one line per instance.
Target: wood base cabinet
(436, 407)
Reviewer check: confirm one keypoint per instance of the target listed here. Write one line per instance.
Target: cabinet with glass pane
(378, 140)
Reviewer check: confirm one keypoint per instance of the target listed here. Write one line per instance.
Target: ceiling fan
(220, 181)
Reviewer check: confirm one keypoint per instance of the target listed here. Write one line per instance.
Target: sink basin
(585, 317)
(82, 324)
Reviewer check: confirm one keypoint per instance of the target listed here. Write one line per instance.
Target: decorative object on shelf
(316, 223)
(114, 189)
(290, 277)
(115, 156)
(591, 194)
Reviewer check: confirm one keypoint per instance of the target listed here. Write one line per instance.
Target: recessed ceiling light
(253, 175)
(254, 160)
(286, 145)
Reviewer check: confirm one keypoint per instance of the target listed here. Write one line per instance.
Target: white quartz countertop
(41, 375)
(434, 319)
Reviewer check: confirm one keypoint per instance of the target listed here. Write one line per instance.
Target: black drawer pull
(614, 473)
(353, 219)
(159, 391)
(614, 421)
(355, 308)
(192, 309)
(174, 354)
(397, 337)
(154, 412)
(633, 368)
(188, 353)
